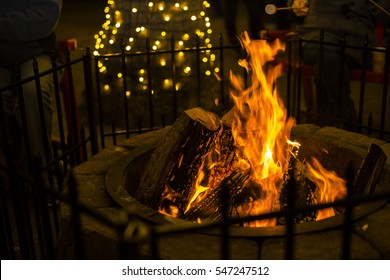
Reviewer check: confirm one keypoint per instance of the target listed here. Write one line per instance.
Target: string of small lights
(129, 23)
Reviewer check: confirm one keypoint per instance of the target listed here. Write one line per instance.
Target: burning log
(211, 206)
(175, 163)
(196, 160)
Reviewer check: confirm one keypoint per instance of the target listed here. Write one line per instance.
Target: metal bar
(90, 100)
(150, 89)
(363, 81)
(44, 226)
(370, 123)
(37, 205)
(163, 121)
(22, 217)
(75, 208)
(3, 131)
(60, 120)
(73, 130)
(173, 72)
(42, 116)
(222, 71)
(6, 237)
(70, 148)
(348, 217)
(113, 130)
(289, 74)
(83, 140)
(139, 125)
(343, 58)
(198, 80)
(225, 244)
(99, 102)
(290, 214)
(124, 89)
(58, 166)
(320, 67)
(385, 88)
(299, 81)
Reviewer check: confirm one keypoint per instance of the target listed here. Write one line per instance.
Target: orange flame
(329, 187)
(260, 127)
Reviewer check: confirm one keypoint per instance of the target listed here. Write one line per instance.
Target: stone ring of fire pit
(124, 176)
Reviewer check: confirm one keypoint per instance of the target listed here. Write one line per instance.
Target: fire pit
(124, 177)
(245, 164)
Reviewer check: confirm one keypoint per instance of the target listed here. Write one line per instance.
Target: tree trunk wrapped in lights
(156, 27)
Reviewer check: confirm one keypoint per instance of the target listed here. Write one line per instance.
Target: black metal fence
(370, 76)
(30, 220)
(29, 197)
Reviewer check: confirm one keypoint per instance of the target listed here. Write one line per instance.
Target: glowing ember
(260, 132)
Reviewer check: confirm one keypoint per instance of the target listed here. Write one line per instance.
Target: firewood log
(177, 159)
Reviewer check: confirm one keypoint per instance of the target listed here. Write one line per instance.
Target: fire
(260, 129)
(170, 195)
(329, 187)
(199, 189)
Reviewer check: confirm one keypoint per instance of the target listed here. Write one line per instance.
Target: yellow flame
(329, 187)
(260, 127)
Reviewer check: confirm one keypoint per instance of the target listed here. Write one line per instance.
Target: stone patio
(369, 238)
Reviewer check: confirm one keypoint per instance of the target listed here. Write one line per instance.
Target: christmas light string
(148, 16)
